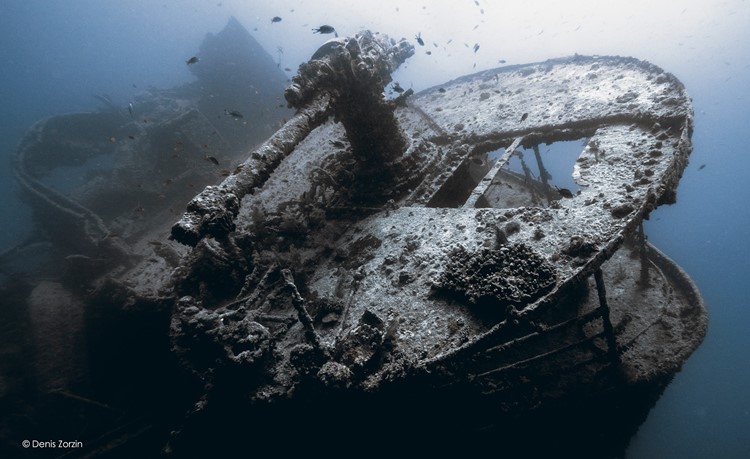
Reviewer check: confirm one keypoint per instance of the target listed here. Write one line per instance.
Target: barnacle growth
(508, 275)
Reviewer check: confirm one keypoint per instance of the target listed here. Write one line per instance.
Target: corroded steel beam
(212, 212)
(345, 78)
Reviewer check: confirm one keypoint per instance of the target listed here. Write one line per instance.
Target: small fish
(275, 19)
(397, 87)
(524, 116)
(212, 159)
(441, 90)
(429, 53)
(233, 113)
(502, 61)
(476, 47)
(564, 192)
(701, 166)
(192, 60)
(131, 137)
(287, 69)
(325, 29)
(418, 37)
(130, 110)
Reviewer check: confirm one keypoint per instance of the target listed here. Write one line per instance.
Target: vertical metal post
(608, 329)
(543, 174)
(644, 258)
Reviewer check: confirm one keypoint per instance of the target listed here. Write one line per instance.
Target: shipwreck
(395, 267)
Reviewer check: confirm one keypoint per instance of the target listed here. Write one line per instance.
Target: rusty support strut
(608, 329)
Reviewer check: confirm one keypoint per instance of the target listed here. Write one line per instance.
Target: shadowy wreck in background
(376, 272)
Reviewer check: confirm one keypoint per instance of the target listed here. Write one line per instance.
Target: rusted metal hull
(374, 310)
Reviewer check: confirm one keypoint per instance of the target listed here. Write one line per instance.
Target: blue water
(56, 55)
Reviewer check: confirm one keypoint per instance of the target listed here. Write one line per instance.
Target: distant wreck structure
(405, 267)
(135, 166)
